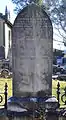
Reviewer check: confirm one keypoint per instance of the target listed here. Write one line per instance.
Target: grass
(54, 89)
(9, 83)
(2, 87)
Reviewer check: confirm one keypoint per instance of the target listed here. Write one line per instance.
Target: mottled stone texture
(32, 48)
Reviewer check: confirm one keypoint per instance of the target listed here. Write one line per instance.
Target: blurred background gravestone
(2, 52)
(32, 47)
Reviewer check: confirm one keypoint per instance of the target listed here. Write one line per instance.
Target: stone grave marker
(32, 48)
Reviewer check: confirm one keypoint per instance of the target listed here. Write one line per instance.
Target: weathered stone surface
(32, 47)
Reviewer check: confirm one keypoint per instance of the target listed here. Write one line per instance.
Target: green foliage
(54, 90)
(2, 85)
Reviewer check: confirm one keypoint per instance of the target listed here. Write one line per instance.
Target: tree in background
(20, 4)
(56, 9)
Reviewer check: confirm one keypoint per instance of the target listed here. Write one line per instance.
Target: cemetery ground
(10, 88)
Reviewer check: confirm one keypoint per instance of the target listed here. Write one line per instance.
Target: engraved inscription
(24, 78)
(32, 51)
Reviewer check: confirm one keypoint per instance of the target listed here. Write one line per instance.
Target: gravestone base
(29, 107)
(52, 115)
(13, 115)
(40, 93)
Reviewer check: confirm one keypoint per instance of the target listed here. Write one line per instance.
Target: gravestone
(32, 47)
(2, 52)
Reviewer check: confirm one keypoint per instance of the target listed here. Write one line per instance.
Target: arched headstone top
(37, 9)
